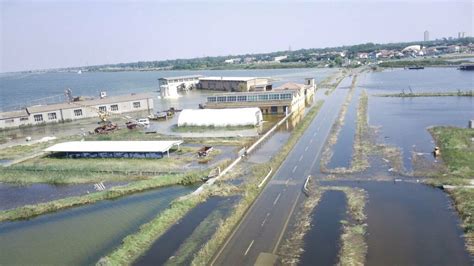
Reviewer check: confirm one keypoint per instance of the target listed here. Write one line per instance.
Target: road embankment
(251, 191)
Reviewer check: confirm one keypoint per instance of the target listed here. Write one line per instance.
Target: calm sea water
(18, 89)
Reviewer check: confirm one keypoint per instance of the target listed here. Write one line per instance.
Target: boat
(469, 67)
(416, 67)
(79, 72)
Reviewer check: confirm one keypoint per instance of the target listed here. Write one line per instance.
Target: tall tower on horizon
(426, 36)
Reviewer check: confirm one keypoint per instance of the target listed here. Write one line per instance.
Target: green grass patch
(457, 152)
(464, 202)
(457, 149)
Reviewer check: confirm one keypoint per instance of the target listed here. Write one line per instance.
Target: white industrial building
(68, 111)
(220, 117)
(170, 86)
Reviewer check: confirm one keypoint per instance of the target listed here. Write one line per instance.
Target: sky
(53, 34)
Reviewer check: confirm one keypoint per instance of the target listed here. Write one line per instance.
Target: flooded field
(81, 235)
(404, 121)
(196, 227)
(343, 148)
(322, 241)
(13, 195)
(410, 224)
(430, 79)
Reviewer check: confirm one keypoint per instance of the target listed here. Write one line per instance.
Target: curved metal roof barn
(220, 117)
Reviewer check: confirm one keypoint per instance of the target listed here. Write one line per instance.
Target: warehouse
(113, 149)
(220, 117)
(287, 98)
(68, 111)
(241, 84)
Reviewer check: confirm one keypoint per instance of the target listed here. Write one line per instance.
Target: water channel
(14, 195)
(82, 235)
(322, 241)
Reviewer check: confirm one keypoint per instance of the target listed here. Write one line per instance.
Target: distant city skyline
(43, 35)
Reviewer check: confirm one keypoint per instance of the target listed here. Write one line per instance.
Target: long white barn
(220, 117)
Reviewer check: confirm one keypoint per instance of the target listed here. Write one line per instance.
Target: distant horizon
(41, 36)
(228, 55)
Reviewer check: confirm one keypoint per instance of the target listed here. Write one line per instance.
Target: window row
(250, 98)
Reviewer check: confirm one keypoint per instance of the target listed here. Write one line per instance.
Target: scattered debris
(204, 151)
(131, 124)
(105, 129)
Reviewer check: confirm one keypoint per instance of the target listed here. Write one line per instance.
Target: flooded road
(322, 241)
(82, 235)
(410, 224)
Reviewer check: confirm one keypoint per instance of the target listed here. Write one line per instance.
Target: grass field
(457, 152)
(457, 149)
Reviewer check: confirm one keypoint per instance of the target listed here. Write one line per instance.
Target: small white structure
(220, 117)
(107, 149)
(170, 86)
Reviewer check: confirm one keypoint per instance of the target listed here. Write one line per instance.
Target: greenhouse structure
(220, 117)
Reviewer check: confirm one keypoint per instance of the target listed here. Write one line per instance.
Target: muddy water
(343, 148)
(321, 242)
(14, 196)
(169, 243)
(81, 235)
(410, 224)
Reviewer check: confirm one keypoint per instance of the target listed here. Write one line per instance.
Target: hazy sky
(50, 34)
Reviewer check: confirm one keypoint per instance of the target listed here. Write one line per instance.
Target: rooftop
(290, 86)
(13, 114)
(180, 77)
(78, 104)
(114, 146)
(229, 78)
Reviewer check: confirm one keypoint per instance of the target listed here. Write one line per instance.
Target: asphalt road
(263, 227)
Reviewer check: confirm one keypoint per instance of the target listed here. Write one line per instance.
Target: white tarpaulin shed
(220, 117)
(114, 146)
